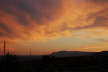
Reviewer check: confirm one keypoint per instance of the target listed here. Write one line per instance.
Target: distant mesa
(103, 53)
(71, 53)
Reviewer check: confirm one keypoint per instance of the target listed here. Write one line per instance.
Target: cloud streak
(38, 19)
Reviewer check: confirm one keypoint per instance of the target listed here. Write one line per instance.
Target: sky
(46, 26)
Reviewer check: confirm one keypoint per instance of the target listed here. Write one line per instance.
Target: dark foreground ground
(95, 63)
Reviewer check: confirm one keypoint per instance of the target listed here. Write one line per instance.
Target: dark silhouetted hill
(102, 53)
(71, 53)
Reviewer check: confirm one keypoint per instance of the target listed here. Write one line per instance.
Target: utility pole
(4, 47)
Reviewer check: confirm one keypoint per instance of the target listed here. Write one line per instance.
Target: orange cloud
(38, 19)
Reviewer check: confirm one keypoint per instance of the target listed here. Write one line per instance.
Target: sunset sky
(46, 26)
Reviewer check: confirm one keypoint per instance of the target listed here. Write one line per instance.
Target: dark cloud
(6, 31)
(2, 34)
(37, 9)
(5, 28)
(16, 14)
(100, 18)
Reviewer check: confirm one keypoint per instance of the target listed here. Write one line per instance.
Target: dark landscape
(56, 62)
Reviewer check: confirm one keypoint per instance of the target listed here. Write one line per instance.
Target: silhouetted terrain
(82, 62)
(71, 53)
